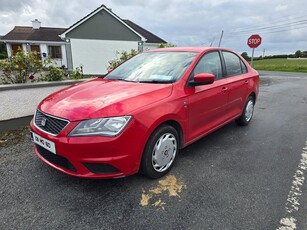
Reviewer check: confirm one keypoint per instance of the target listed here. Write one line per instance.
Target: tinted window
(232, 63)
(209, 63)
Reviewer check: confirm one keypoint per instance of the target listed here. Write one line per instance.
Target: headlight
(111, 126)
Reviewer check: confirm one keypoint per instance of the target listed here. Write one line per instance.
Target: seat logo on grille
(44, 121)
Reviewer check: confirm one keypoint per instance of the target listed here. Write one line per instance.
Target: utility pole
(263, 53)
(211, 43)
(221, 38)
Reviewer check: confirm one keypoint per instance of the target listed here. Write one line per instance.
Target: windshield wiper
(119, 79)
(157, 81)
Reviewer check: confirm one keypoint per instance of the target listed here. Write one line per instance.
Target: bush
(3, 53)
(76, 73)
(166, 45)
(19, 67)
(124, 55)
(54, 74)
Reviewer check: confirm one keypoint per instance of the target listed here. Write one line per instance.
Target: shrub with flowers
(21, 66)
(124, 55)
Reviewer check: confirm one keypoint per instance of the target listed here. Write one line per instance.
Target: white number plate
(49, 145)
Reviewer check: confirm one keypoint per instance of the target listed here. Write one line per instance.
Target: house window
(55, 51)
(16, 48)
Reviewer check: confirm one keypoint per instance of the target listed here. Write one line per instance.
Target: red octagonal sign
(254, 41)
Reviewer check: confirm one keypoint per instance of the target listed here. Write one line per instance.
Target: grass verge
(282, 65)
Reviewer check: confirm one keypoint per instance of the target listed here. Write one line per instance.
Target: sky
(281, 24)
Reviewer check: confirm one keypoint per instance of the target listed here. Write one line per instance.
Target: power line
(284, 25)
(272, 29)
(276, 22)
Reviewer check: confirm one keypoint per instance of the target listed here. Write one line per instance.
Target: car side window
(233, 64)
(209, 63)
(243, 67)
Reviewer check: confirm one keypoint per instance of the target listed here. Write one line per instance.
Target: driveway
(236, 178)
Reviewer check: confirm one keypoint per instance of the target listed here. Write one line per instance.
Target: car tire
(247, 113)
(160, 152)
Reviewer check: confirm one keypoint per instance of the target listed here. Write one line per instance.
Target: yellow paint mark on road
(145, 199)
(159, 204)
(170, 185)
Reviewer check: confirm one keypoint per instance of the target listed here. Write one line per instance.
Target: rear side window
(233, 64)
(243, 66)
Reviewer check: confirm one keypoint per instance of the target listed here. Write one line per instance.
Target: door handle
(246, 82)
(224, 89)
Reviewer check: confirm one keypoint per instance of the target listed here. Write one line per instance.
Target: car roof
(188, 49)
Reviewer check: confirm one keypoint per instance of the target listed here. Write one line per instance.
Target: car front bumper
(94, 156)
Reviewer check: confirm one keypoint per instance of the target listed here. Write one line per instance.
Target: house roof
(97, 10)
(151, 38)
(27, 33)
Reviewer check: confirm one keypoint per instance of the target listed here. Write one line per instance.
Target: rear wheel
(247, 113)
(160, 152)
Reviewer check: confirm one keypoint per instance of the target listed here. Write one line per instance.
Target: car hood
(102, 98)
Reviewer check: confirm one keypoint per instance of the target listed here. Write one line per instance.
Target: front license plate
(49, 145)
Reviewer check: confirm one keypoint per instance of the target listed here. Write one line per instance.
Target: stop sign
(254, 41)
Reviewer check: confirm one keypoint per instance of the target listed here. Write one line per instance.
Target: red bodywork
(194, 111)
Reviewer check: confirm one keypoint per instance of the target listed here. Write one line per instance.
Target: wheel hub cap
(249, 111)
(164, 152)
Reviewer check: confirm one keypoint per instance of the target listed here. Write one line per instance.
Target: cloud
(281, 7)
(183, 22)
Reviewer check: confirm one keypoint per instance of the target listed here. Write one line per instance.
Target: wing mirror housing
(202, 79)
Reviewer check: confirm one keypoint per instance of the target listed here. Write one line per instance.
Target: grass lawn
(283, 65)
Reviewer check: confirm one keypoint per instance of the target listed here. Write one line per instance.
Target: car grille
(49, 124)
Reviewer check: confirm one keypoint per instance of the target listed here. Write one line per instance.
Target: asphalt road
(235, 178)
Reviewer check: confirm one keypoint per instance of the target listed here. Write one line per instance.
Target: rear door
(207, 103)
(238, 81)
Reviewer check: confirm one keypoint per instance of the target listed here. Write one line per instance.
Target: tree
(298, 54)
(245, 56)
(304, 54)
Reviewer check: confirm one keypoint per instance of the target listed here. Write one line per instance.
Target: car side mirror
(202, 79)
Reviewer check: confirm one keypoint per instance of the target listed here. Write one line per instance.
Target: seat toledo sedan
(142, 113)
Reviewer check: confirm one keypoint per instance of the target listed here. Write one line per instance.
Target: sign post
(253, 42)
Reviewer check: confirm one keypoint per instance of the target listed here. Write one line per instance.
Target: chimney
(36, 24)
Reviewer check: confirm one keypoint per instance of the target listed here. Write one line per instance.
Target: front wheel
(160, 152)
(247, 113)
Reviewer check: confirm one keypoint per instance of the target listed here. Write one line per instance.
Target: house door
(37, 49)
(15, 48)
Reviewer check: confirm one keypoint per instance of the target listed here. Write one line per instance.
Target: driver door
(207, 103)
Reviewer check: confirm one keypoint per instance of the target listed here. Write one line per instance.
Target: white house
(91, 42)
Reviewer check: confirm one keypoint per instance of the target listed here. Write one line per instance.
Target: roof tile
(27, 33)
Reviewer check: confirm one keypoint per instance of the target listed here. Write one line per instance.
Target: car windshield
(153, 67)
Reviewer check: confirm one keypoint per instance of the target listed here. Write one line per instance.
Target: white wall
(94, 55)
(64, 58)
(9, 49)
(150, 46)
(44, 49)
(58, 61)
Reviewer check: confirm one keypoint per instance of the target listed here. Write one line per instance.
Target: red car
(140, 114)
